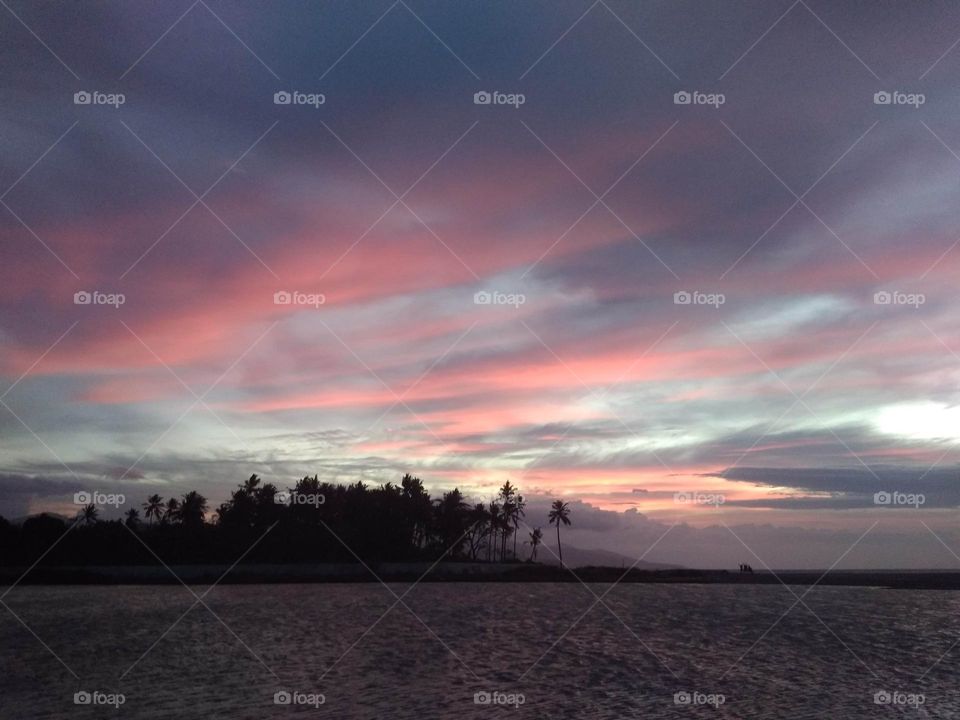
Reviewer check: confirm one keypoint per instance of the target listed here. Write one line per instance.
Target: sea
(478, 650)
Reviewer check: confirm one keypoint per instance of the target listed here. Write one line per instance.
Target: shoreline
(463, 572)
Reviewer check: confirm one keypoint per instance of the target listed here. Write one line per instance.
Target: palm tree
(88, 515)
(536, 537)
(172, 511)
(508, 494)
(193, 508)
(250, 486)
(494, 528)
(518, 512)
(153, 508)
(418, 508)
(478, 529)
(559, 513)
(133, 518)
(505, 517)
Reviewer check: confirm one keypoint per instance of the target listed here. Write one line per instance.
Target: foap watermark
(896, 697)
(285, 497)
(296, 97)
(98, 697)
(295, 697)
(95, 297)
(498, 98)
(514, 700)
(695, 97)
(686, 697)
(95, 497)
(896, 97)
(895, 498)
(487, 297)
(684, 297)
(95, 97)
(896, 297)
(283, 297)
(693, 497)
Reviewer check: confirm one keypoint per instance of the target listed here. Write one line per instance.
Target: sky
(731, 320)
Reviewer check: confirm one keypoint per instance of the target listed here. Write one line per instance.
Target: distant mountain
(58, 516)
(579, 557)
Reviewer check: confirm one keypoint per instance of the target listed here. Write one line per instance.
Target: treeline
(310, 523)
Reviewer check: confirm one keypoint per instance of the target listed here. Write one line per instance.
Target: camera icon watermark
(896, 97)
(98, 697)
(95, 97)
(294, 697)
(494, 297)
(284, 297)
(896, 297)
(896, 697)
(693, 497)
(514, 700)
(694, 697)
(895, 498)
(695, 97)
(95, 297)
(95, 497)
(296, 97)
(288, 497)
(695, 297)
(483, 97)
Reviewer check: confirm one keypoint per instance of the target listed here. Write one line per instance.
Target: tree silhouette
(241, 509)
(495, 514)
(418, 508)
(450, 521)
(519, 507)
(559, 513)
(320, 522)
(153, 508)
(88, 515)
(477, 518)
(250, 486)
(536, 537)
(508, 495)
(192, 509)
(172, 511)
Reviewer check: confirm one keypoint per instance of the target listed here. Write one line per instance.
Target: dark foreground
(463, 572)
(478, 651)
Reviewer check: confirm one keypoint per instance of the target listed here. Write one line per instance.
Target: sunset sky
(797, 394)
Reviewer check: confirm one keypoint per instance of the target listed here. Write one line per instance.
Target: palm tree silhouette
(172, 511)
(494, 526)
(508, 494)
(559, 513)
(505, 528)
(88, 515)
(536, 537)
(153, 508)
(518, 512)
(389, 523)
(193, 508)
(478, 530)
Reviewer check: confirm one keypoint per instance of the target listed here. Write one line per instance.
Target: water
(623, 662)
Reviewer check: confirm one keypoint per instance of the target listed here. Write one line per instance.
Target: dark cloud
(851, 487)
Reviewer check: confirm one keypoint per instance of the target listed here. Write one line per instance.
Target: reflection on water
(479, 650)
